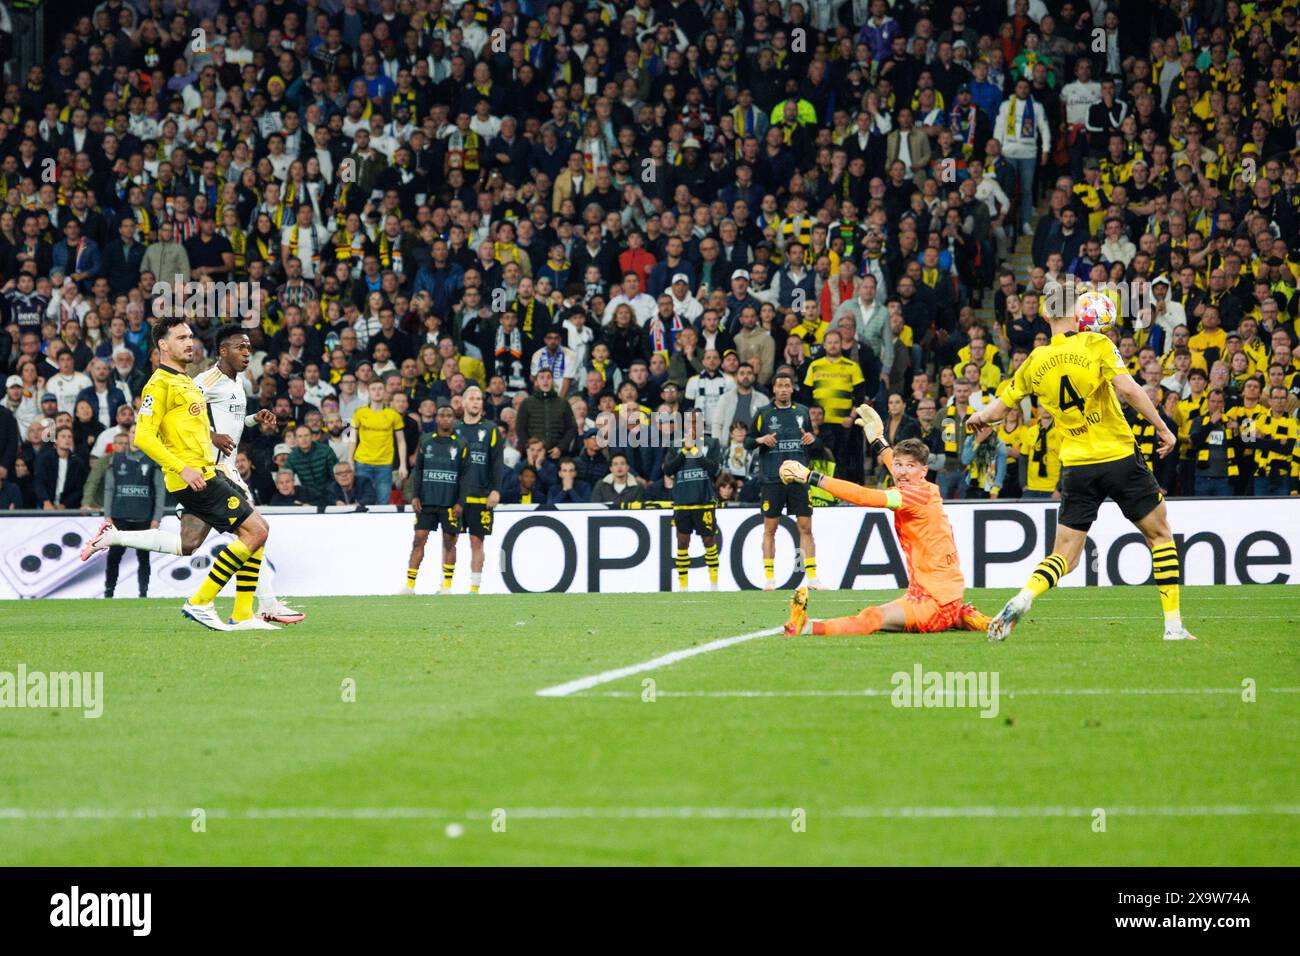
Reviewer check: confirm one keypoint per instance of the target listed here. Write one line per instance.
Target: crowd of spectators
(621, 220)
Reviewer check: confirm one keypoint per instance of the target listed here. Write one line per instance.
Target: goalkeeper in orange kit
(935, 584)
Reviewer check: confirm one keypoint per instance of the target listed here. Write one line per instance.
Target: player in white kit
(227, 406)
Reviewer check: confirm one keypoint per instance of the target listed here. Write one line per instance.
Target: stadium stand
(632, 203)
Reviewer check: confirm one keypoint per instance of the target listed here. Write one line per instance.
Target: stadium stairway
(1020, 261)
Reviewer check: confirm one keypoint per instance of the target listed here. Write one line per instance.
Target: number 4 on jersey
(1069, 397)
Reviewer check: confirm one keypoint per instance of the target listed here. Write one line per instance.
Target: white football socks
(266, 586)
(155, 539)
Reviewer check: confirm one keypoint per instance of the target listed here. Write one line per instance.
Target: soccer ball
(1095, 311)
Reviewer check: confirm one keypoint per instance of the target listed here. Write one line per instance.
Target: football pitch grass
(1109, 745)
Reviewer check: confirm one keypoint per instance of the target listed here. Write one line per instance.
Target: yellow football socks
(1049, 571)
(246, 586)
(228, 560)
(1164, 566)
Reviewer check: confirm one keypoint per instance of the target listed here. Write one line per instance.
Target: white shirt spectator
(1078, 98)
(241, 57)
(1171, 384)
(1118, 250)
(312, 243)
(563, 364)
(643, 307)
(687, 308)
(26, 412)
(706, 391)
(349, 405)
(486, 128)
(350, 126)
(315, 394)
(280, 165)
(366, 327)
(475, 36)
(384, 143)
(1015, 144)
(1036, 10)
(143, 127)
(990, 192)
(65, 389)
(102, 443)
(578, 340)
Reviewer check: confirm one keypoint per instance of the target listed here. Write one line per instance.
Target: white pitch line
(604, 677)
(885, 692)
(645, 813)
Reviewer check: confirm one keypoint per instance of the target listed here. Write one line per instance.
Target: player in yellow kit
(1080, 377)
(174, 430)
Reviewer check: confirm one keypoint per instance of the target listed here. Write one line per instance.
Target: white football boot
(205, 614)
(1006, 620)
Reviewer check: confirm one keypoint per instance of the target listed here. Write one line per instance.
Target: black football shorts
(221, 503)
(1126, 481)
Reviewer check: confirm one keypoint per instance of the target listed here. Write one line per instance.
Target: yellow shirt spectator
(833, 381)
(1041, 446)
(375, 429)
(1203, 340)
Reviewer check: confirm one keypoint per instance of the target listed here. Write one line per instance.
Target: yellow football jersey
(1071, 376)
(1042, 451)
(832, 382)
(173, 428)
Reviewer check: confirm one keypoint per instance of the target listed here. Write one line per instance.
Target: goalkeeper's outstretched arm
(854, 494)
(892, 498)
